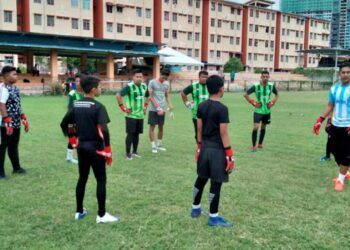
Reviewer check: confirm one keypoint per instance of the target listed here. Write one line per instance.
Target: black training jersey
(212, 114)
(87, 114)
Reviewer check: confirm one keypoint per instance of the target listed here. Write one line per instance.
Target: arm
(250, 100)
(199, 130)
(184, 97)
(3, 110)
(224, 135)
(120, 95)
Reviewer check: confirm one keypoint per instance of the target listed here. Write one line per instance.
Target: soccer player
(199, 93)
(159, 96)
(214, 153)
(263, 104)
(136, 106)
(94, 150)
(339, 131)
(11, 112)
(75, 94)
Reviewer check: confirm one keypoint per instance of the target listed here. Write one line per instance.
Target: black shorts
(133, 125)
(265, 119)
(155, 119)
(212, 164)
(340, 145)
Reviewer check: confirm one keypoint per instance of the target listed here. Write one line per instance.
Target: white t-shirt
(4, 95)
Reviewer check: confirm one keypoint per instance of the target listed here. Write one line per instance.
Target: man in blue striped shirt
(339, 131)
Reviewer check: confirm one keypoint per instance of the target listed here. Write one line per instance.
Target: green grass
(281, 197)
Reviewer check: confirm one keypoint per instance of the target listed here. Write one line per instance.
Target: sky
(275, 6)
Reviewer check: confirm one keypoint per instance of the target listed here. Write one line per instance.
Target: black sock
(198, 190)
(262, 135)
(135, 143)
(254, 137)
(128, 142)
(214, 197)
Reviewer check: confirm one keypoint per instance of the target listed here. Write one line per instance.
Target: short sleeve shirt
(158, 93)
(339, 95)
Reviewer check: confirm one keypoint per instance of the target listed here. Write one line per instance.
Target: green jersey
(263, 95)
(135, 99)
(199, 94)
(74, 96)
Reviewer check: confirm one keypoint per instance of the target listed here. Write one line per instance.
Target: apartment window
(249, 56)
(212, 54)
(174, 17)
(287, 45)
(238, 12)
(288, 32)
(74, 3)
(220, 7)
(50, 2)
(197, 36)
(232, 40)
(257, 14)
(174, 1)
(198, 4)
(256, 28)
(219, 23)
(119, 27)
(296, 46)
(237, 40)
(109, 27)
(86, 24)
(282, 58)
(314, 60)
(86, 6)
(148, 31)
(272, 30)
(138, 30)
(7, 16)
(218, 39)
(166, 15)
(267, 30)
(266, 44)
(232, 24)
(212, 22)
(138, 12)
(174, 34)
(166, 33)
(256, 42)
(251, 13)
(255, 57)
(198, 19)
(189, 52)
(190, 2)
(109, 8)
(218, 54)
(37, 1)
(166, 1)
(189, 19)
(272, 44)
(196, 52)
(288, 19)
(251, 26)
(310, 59)
(268, 15)
(282, 45)
(75, 23)
(315, 24)
(50, 21)
(315, 36)
(37, 19)
(283, 18)
(238, 25)
(271, 58)
(266, 58)
(212, 38)
(287, 58)
(283, 31)
(232, 10)
(273, 16)
(296, 33)
(148, 13)
(295, 59)
(250, 42)
(213, 6)
(189, 36)
(119, 9)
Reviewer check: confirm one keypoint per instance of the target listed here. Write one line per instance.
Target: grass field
(280, 197)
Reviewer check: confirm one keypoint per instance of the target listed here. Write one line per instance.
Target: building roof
(260, 3)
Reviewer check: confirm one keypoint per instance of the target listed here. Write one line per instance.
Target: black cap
(7, 69)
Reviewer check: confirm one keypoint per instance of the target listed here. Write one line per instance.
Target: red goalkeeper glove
(7, 122)
(255, 104)
(198, 151)
(270, 104)
(230, 163)
(318, 125)
(124, 109)
(25, 122)
(73, 141)
(107, 153)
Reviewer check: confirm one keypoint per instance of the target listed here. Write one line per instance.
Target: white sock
(341, 177)
(196, 206)
(159, 142)
(214, 215)
(153, 144)
(69, 154)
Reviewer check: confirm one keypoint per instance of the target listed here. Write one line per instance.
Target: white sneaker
(107, 218)
(136, 155)
(161, 148)
(79, 216)
(74, 161)
(154, 150)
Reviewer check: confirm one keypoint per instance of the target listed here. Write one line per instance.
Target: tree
(234, 64)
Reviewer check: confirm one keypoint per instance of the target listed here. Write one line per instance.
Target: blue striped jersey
(339, 95)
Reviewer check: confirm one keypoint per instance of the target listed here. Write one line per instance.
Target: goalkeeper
(199, 93)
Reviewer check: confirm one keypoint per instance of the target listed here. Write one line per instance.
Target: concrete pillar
(29, 57)
(110, 66)
(54, 64)
(156, 67)
(83, 62)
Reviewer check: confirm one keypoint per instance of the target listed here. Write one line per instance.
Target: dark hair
(7, 69)
(165, 72)
(77, 76)
(343, 65)
(88, 83)
(203, 72)
(214, 84)
(136, 71)
(265, 72)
